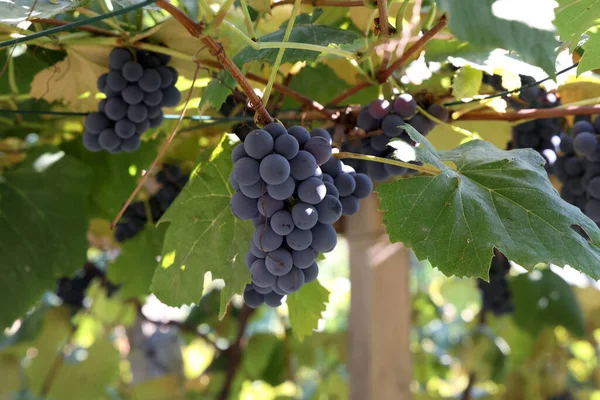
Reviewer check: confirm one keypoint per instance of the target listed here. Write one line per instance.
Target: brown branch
(405, 36)
(384, 75)
(305, 101)
(412, 50)
(324, 3)
(86, 28)
(531, 113)
(467, 393)
(160, 154)
(216, 50)
(234, 353)
(348, 93)
(384, 27)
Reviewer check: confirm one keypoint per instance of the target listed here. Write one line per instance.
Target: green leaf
(575, 17)
(467, 82)
(259, 352)
(330, 85)
(26, 65)
(43, 225)
(547, 296)
(305, 307)
(135, 266)
(203, 236)
(15, 11)
(94, 369)
(591, 56)
(475, 22)
(263, 6)
(494, 199)
(114, 175)
(216, 92)
(310, 34)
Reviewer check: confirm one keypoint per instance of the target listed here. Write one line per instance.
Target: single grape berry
(118, 58)
(132, 71)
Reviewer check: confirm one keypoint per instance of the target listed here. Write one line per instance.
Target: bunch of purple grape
(578, 167)
(383, 122)
(135, 216)
(542, 135)
(137, 86)
(293, 203)
(495, 294)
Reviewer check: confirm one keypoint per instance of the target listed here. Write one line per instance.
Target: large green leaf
(43, 224)
(575, 17)
(204, 236)
(14, 11)
(591, 56)
(305, 307)
(493, 199)
(475, 22)
(136, 264)
(547, 296)
(114, 175)
(310, 34)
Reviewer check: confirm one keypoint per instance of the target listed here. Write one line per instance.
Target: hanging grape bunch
(135, 216)
(542, 135)
(388, 118)
(578, 168)
(293, 203)
(137, 86)
(495, 294)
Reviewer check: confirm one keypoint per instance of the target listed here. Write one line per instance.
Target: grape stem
(160, 154)
(216, 50)
(429, 170)
(286, 37)
(248, 20)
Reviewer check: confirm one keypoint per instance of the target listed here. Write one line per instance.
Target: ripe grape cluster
(72, 290)
(137, 86)
(135, 216)
(495, 294)
(578, 167)
(291, 188)
(542, 135)
(382, 122)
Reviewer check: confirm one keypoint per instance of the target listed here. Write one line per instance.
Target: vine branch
(216, 50)
(324, 3)
(384, 27)
(385, 74)
(234, 353)
(531, 113)
(86, 28)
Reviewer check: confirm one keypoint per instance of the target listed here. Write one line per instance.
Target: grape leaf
(575, 17)
(547, 296)
(310, 34)
(476, 22)
(73, 80)
(135, 266)
(204, 236)
(591, 57)
(114, 175)
(467, 82)
(43, 225)
(305, 307)
(493, 199)
(14, 11)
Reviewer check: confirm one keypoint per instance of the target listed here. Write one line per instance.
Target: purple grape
(378, 109)
(267, 206)
(311, 273)
(287, 146)
(324, 238)
(405, 105)
(279, 262)
(274, 169)
(320, 148)
(243, 207)
(91, 142)
(282, 222)
(132, 71)
(258, 144)
(276, 130)
(300, 133)
(303, 166)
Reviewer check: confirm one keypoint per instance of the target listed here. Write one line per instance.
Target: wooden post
(380, 361)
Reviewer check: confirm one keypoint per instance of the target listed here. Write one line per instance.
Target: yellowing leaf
(305, 308)
(467, 82)
(73, 80)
